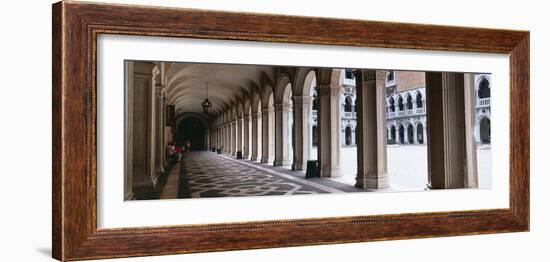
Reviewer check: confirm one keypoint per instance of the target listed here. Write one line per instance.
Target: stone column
(254, 155)
(259, 141)
(246, 135)
(328, 127)
(214, 136)
(128, 129)
(451, 161)
(234, 137)
(159, 131)
(227, 139)
(425, 133)
(302, 138)
(154, 171)
(219, 136)
(282, 136)
(415, 134)
(266, 132)
(239, 140)
(371, 127)
(397, 137)
(471, 175)
(222, 137)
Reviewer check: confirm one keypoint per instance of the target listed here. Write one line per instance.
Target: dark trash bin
(219, 151)
(239, 155)
(312, 169)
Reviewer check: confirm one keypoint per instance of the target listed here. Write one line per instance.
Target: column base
(378, 181)
(281, 163)
(298, 166)
(330, 173)
(254, 158)
(246, 157)
(264, 161)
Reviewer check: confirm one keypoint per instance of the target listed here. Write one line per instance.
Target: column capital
(330, 90)
(266, 109)
(299, 100)
(159, 89)
(254, 114)
(370, 75)
(282, 107)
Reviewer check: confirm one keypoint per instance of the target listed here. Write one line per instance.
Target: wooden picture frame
(76, 26)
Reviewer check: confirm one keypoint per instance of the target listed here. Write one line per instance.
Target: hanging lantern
(206, 104)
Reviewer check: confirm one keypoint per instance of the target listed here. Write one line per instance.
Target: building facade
(405, 109)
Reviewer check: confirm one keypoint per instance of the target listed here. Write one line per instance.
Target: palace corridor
(253, 130)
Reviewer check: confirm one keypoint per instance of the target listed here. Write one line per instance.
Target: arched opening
(392, 104)
(348, 135)
(484, 90)
(309, 89)
(420, 133)
(391, 75)
(191, 133)
(315, 103)
(286, 122)
(410, 134)
(400, 103)
(485, 130)
(401, 134)
(392, 134)
(419, 103)
(348, 104)
(409, 102)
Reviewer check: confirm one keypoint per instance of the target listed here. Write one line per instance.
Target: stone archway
(420, 133)
(268, 125)
(191, 133)
(304, 101)
(348, 135)
(392, 134)
(401, 134)
(409, 102)
(419, 103)
(283, 122)
(484, 90)
(485, 130)
(392, 104)
(410, 134)
(348, 104)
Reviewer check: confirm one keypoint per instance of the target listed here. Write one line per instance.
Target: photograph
(205, 130)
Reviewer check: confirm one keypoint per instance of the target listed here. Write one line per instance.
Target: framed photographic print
(195, 131)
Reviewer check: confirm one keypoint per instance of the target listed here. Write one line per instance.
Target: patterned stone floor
(205, 174)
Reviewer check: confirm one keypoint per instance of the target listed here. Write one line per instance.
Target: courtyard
(408, 166)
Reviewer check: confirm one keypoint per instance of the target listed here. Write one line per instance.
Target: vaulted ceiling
(186, 84)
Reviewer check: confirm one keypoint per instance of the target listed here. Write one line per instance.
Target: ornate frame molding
(76, 26)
